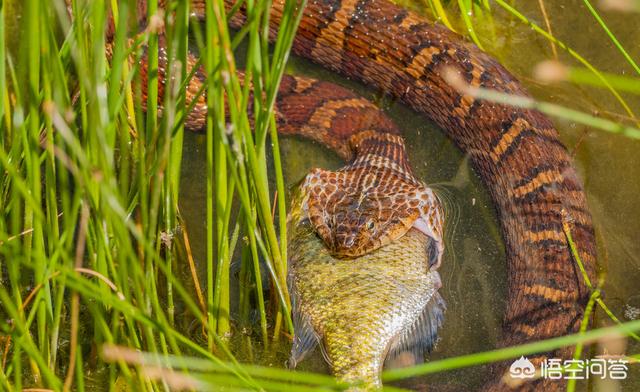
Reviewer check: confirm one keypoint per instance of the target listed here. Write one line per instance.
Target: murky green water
(474, 271)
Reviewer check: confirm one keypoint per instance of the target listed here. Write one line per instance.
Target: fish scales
(358, 308)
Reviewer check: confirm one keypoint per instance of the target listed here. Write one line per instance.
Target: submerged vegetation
(98, 282)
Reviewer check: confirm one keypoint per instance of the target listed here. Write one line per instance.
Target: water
(474, 271)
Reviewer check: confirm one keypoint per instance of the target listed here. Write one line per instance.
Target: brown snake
(516, 151)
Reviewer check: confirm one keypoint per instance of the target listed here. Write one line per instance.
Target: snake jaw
(436, 260)
(431, 224)
(344, 238)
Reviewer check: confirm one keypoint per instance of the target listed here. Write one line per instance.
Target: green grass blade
(611, 36)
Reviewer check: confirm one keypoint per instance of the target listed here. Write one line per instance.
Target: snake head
(354, 227)
(356, 213)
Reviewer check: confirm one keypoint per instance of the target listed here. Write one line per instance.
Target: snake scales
(516, 151)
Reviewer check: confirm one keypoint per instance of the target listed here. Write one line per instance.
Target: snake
(529, 174)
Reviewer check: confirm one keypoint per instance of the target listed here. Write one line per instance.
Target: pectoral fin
(420, 338)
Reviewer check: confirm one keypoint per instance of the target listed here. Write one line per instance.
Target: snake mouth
(346, 242)
(341, 253)
(357, 243)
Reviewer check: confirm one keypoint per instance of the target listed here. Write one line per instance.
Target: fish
(383, 306)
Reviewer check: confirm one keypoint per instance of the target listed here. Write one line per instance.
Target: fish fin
(419, 338)
(305, 339)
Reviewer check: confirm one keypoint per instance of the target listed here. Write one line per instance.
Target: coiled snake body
(516, 151)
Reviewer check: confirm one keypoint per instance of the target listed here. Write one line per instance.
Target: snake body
(516, 151)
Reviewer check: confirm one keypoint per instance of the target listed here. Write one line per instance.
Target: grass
(92, 244)
(481, 11)
(91, 232)
(551, 109)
